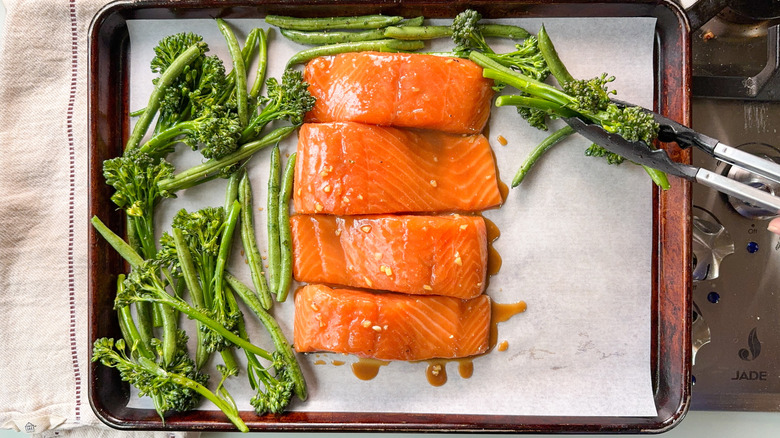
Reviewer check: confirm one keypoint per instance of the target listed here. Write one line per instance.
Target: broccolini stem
(163, 139)
(144, 233)
(202, 172)
(258, 122)
(262, 63)
(383, 45)
(536, 103)
(228, 356)
(239, 68)
(327, 23)
(555, 138)
(249, 241)
(497, 72)
(528, 85)
(272, 209)
(130, 332)
(285, 237)
(279, 340)
(659, 178)
(116, 242)
(163, 82)
(554, 63)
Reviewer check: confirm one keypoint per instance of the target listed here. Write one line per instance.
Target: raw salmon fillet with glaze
(353, 168)
(423, 255)
(400, 89)
(389, 326)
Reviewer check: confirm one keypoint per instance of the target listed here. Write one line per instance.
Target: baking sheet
(576, 244)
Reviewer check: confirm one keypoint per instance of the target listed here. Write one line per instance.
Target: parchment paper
(575, 243)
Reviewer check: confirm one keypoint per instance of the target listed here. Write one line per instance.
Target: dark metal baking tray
(671, 303)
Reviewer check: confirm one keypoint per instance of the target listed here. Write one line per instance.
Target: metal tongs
(670, 131)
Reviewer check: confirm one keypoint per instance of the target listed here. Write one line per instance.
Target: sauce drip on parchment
(367, 369)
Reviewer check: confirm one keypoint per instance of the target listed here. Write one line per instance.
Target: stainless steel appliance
(736, 290)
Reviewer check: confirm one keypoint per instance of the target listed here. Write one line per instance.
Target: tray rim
(671, 316)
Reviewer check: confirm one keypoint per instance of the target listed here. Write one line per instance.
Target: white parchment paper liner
(575, 243)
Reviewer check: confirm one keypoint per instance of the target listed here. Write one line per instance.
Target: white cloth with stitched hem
(44, 350)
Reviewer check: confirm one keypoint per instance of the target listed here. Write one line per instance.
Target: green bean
(249, 240)
(555, 138)
(239, 68)
(262, 63)
(285, 238)
(226, 243)
(314, 38)
(342, 36)
(169, 332)
(401, 32)
(384, 45)
(504, 31)
(554, 63)
(279, 340)
(144, 312)
(191, 279)
(357, 22)
(416, 21)
(272, 209)
(417, 32)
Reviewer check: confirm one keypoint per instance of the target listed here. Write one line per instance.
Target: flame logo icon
(754, 347)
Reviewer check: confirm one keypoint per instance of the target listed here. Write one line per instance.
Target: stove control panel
(736, 270)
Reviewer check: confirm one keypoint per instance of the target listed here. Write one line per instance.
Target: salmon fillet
(353, 168)
(422, 255)
(389, 326)
(400, 89)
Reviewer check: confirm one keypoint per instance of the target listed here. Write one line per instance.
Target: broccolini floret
(277, 389)
(588, 99)
(134, 176)
(288, 100)
(466, 32)
(172, 389)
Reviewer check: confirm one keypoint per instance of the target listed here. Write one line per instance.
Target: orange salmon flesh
(389, 326)
(353, 168)
(400, 89)
(423, 255)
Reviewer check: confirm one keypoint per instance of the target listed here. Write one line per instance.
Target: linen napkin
(44, 350)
